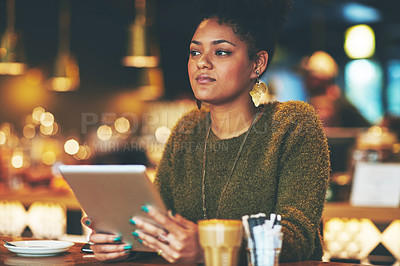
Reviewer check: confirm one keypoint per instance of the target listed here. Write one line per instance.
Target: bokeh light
(122, 125)
(104, 132)
(47, 119)
(363, 87)
(29, 131)
(83, 153)
(3, 137)
(162, 134)
(359, 42)
(37, 113)
(49, 158)
(17, 160)
(71, 146)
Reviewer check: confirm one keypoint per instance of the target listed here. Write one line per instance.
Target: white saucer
(39, 248)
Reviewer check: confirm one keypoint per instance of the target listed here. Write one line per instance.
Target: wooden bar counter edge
(74, 256)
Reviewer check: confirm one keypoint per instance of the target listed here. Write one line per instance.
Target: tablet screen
(111, 194)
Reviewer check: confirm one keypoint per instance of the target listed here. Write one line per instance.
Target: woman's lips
(204, 79)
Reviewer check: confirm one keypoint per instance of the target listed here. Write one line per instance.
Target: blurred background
(101, 81)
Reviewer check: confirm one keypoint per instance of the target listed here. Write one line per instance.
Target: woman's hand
(107, 247)
(177, 242)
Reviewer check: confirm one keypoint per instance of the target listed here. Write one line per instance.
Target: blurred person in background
(319, 73)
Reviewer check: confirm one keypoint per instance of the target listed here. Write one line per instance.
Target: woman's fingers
(163, 249)
(162, 219)
(105, 238)
(176, 241)
(111, 252)
(147, 227)
(109, 247)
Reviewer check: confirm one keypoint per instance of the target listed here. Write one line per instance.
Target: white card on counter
(376, 185)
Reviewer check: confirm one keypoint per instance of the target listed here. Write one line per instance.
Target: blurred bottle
(377, 144)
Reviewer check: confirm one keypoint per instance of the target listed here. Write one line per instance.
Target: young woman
(232, 158)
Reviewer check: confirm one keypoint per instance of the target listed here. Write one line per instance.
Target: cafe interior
(104, 82)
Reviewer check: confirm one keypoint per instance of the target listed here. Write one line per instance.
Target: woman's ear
(261, 62)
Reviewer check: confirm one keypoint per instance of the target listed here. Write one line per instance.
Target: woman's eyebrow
(213, 42)
(195, 42)
(222, 41)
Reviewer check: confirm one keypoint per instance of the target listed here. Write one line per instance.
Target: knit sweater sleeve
(165, 170)
(169, 166)
(303, 180)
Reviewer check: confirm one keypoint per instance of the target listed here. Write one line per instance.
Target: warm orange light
(47, 119)
(104, 132)
(122, 125)
(12, 141)
(140, 61)
(71, 146)
(22, 95)
(83, 153)
(60, 83)
(6, 128)
(3, 138)
(17, 160)
(162, 134)
(37, 113)
(34, 76)
(49, 158)
(12, 68)
(29, 131)
(47, 131)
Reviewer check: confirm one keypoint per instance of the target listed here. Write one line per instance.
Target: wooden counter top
(74, 256)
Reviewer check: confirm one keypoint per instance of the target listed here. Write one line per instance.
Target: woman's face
(219, 67)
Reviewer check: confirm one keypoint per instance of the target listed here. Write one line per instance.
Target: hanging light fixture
(65, 75)
(143, 50)
(11, 61)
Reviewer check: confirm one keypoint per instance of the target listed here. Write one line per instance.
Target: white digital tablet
(111, 194)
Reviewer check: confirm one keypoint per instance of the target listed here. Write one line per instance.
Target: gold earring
(260, 93)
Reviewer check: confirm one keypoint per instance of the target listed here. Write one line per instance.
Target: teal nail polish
(128, 247)
(145, 209)
(88, 222)
(140, 240)
(135, 234)
(132, 221)
(117, 239)
(127, 251)
(173, 212)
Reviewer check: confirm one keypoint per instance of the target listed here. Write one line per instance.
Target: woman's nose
(204, 62)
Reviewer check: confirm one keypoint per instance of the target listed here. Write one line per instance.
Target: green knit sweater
(283, 168)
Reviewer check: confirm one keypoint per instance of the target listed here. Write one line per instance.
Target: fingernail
(140, 240)
(127, 251)
(88, 222)
(132, 221)
(117, 239)
(128, 247)
(173, 212)
(135, 234)
(145, 208)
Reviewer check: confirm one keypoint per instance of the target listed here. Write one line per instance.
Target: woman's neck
(231, 121)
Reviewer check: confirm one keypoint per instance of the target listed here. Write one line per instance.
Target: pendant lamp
(65, 76)
(142, 50)
(11, 52)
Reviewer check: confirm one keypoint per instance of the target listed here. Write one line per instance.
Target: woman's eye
(194, 53)
(222, 52)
